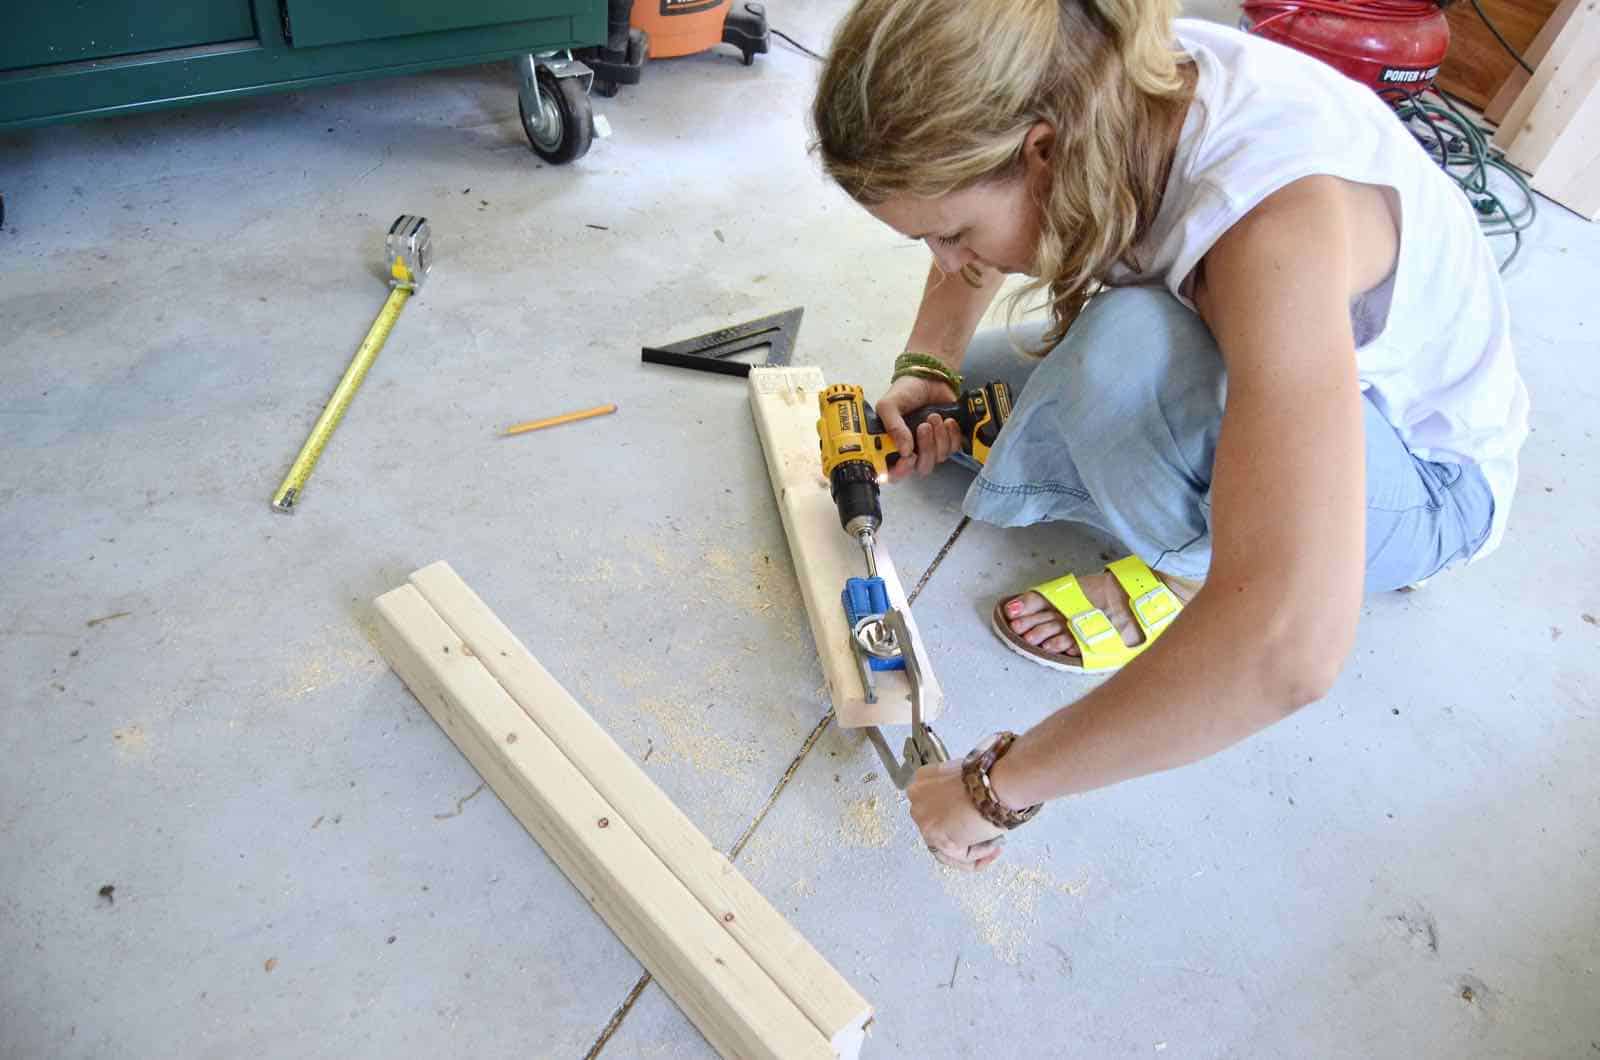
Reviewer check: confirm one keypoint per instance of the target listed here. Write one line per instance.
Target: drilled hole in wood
(605, 822)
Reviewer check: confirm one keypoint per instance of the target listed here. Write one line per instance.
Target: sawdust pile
(689, 736)
(601, 572)
(588, 693)
(680, 718)
(335, 654)
(757, 584)
(756, 851)
(709, 584)
(635, 677)
(130, 741)
(1004, 902)
(867, 822)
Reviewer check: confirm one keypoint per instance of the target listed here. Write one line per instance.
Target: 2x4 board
(752, 984)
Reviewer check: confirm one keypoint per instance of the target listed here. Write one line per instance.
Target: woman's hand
(955, 832)
(934, 440)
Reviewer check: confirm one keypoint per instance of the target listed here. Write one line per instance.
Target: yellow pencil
(534, 425)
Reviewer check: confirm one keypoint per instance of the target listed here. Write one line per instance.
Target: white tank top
(1433, 341)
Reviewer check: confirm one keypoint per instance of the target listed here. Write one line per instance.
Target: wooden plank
(736, 1005)
(804, 975)
(1555, 92)
(1476, 64)
(1570, 173)
(1517, 79)
(784, 402)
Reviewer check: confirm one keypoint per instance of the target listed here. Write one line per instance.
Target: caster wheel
(605, 89)
(563, 128)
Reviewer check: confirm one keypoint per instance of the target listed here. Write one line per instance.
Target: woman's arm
(946, 320)
(1277, 615)
(950, 311)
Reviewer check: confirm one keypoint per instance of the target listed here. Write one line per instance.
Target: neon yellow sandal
(1154, 607)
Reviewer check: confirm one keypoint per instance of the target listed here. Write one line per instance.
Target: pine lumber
(1553, 128)
(702, 967)
(1517, 78)
(784, 403)
(832, 1005)
(1570, 173)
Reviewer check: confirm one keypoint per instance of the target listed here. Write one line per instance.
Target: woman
(1293, 381)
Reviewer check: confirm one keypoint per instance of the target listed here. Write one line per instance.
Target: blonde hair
(921, 98)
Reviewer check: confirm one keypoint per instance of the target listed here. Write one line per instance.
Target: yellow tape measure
(408, 256)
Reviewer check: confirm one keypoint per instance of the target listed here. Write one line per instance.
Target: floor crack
(733, 853)
(617, 1017)
(949, 543)
(461, 804)
(739, 844)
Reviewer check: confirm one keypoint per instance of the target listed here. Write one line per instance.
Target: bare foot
(1032, 618)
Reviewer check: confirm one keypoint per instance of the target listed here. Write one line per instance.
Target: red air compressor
(1387, 45)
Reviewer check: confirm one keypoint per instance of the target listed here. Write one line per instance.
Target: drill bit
(869, 549)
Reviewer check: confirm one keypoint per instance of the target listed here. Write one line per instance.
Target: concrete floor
(195, 716)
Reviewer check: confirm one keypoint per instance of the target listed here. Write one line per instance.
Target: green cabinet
(313, 23)
(74, 59)
(37, 34)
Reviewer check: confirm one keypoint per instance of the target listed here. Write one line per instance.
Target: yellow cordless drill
(857, 453)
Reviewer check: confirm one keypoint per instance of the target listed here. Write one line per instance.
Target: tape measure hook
(408, 252)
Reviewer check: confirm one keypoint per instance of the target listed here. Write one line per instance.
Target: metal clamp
(878, 633)
(923, 747)
(871, 639)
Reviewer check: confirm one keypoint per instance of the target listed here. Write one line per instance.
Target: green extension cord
(1461, 148)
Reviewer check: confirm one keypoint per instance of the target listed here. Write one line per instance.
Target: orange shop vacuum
(685, 27)
(662, 29)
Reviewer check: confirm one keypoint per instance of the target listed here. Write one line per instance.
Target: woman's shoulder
(1270, 113)
(1265, 116)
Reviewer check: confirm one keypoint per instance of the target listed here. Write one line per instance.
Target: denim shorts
(1117, 428)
